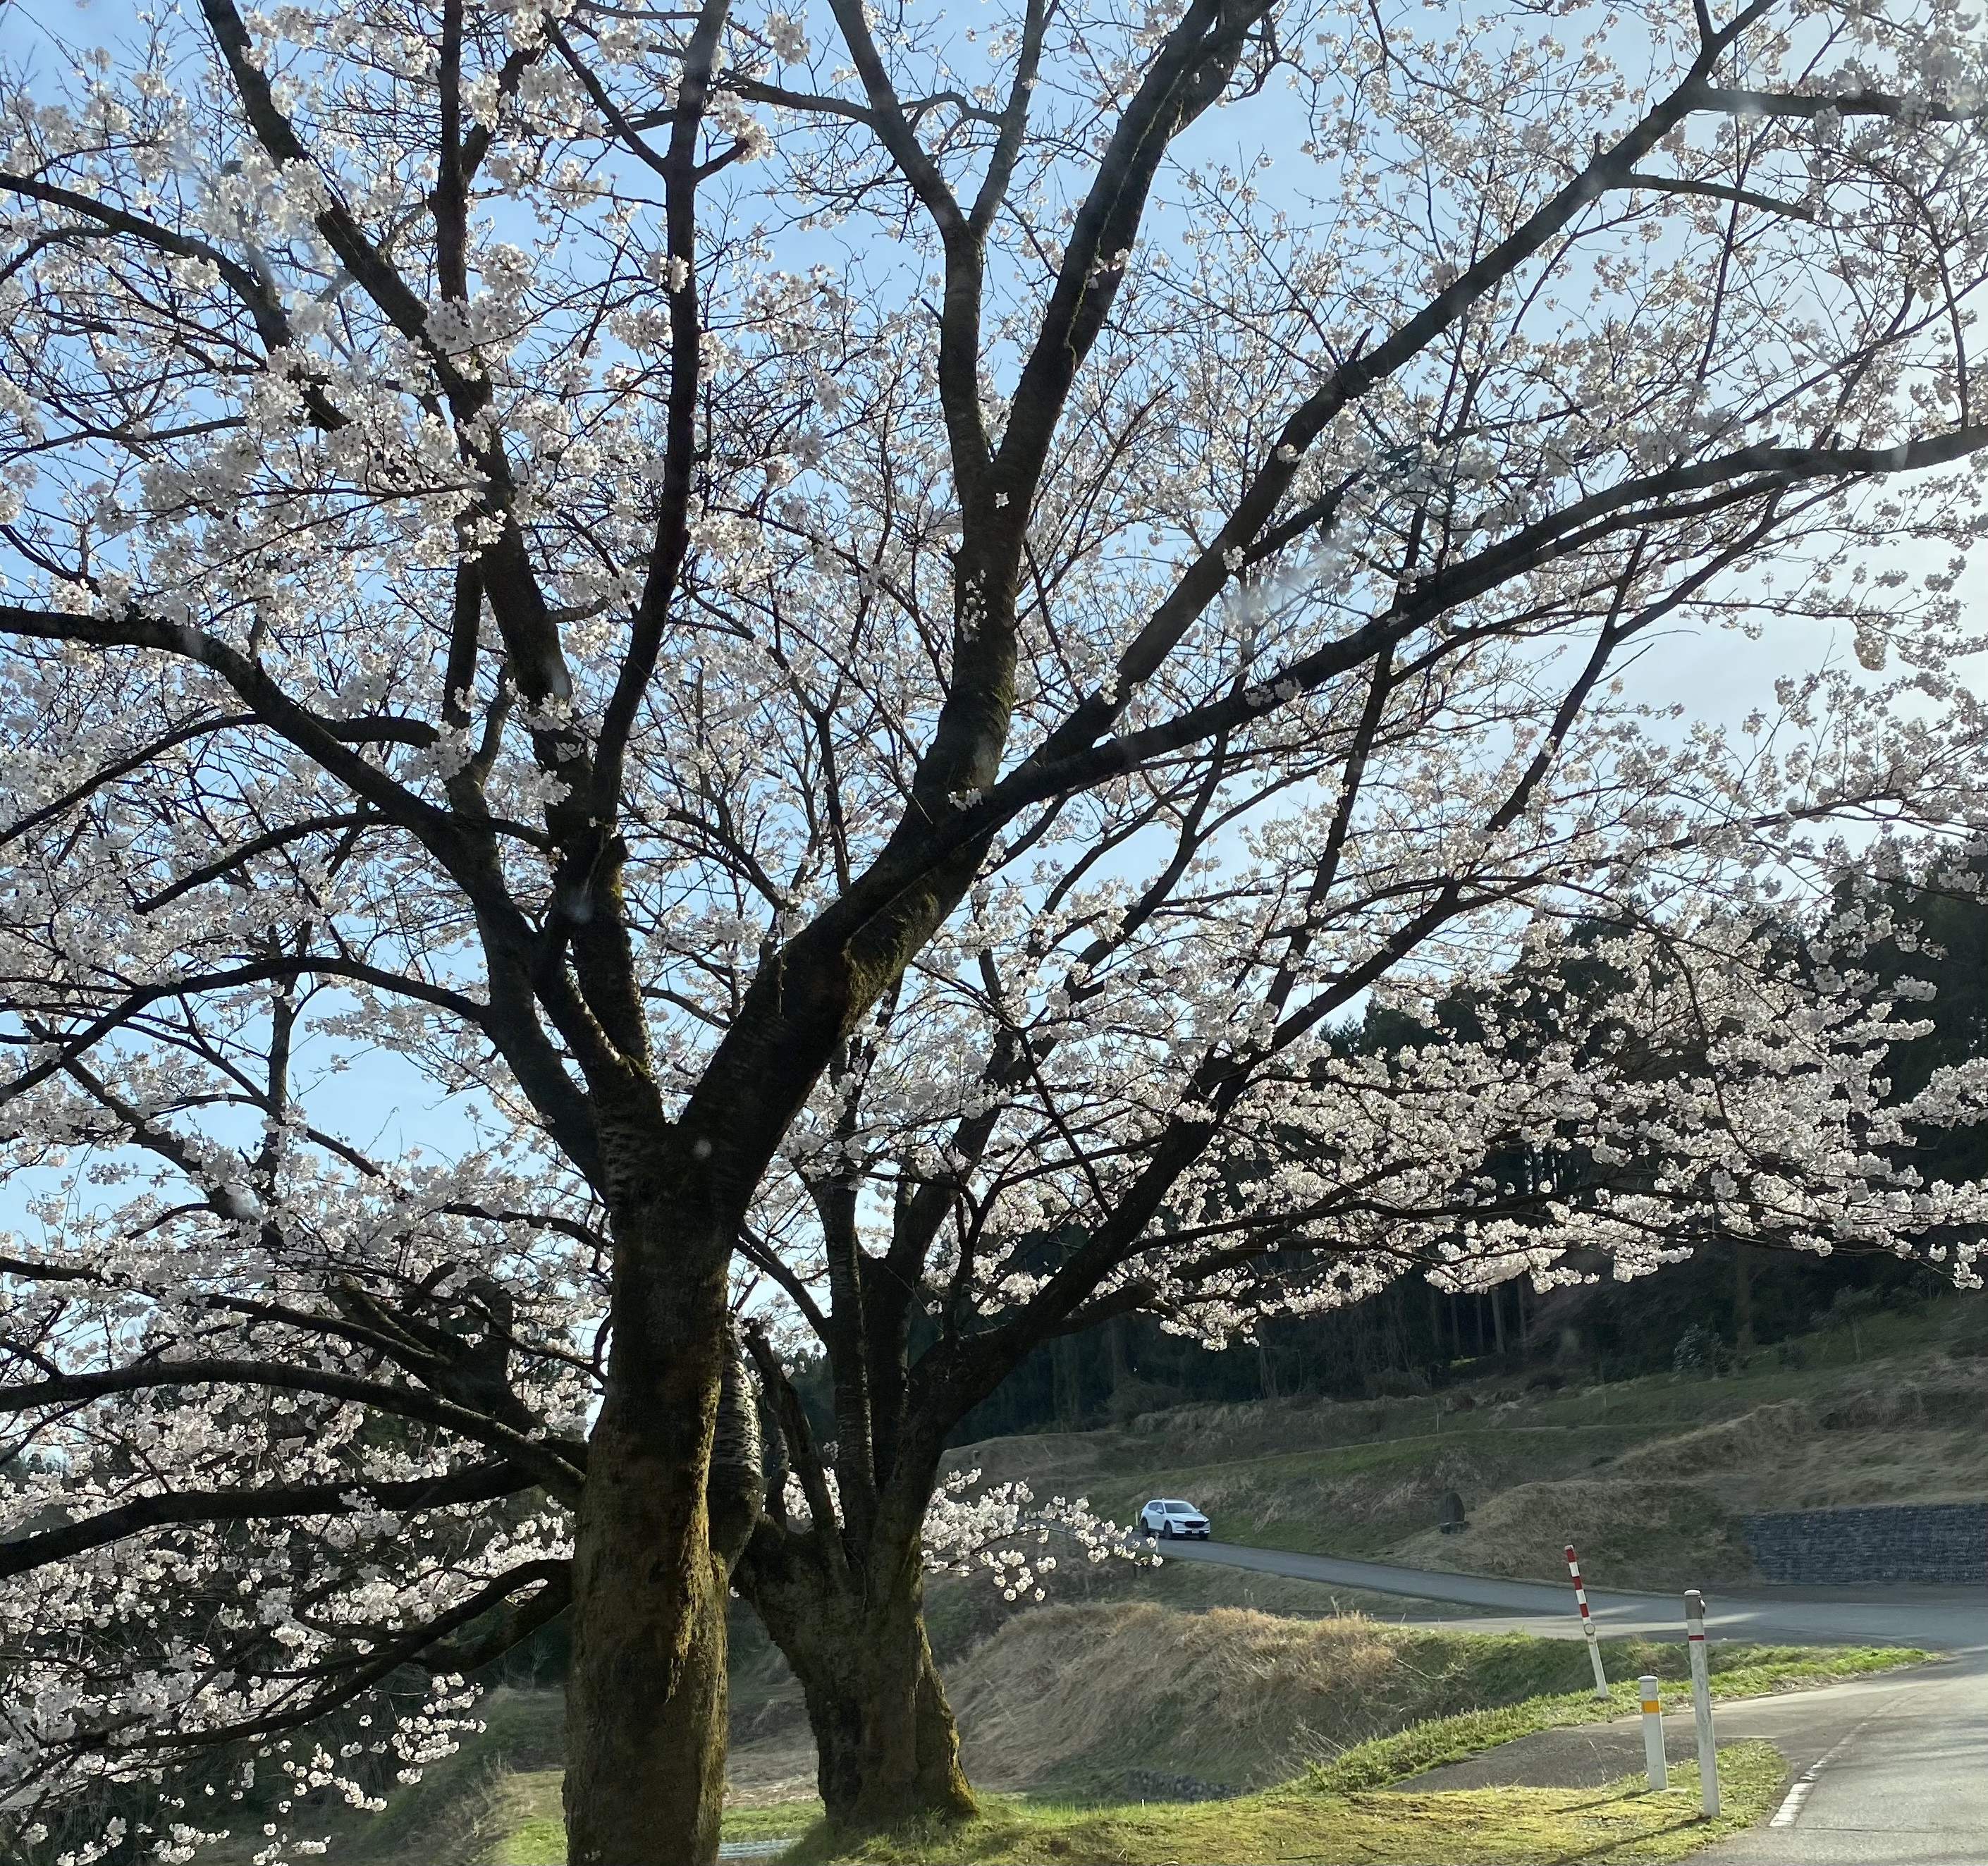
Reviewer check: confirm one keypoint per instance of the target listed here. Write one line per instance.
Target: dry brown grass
(1670, 1506)
(1631, 1533)
(1229, 1694)
(1070, 1695)
(1647, 1477)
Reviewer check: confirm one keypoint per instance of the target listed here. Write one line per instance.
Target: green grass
(533, 1829)
(777, 1822)
(1335, 1810)
(1761, 1670)
(1067, 1699)
(1504, 1827)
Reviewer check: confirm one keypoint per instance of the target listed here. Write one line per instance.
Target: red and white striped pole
(1587, 1623)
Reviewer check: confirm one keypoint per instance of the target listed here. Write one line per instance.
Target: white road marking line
(1784, 1815)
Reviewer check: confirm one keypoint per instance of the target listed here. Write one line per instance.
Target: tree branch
(479, 1484)
(546, 1466)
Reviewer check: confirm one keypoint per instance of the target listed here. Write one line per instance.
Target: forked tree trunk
(888, 1749)
(646, 1692)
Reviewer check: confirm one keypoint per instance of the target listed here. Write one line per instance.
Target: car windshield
(1178, 1508)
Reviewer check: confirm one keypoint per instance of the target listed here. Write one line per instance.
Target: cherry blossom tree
(561, 544)
(1087, 1101)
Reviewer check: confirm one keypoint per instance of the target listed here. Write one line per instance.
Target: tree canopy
(773, 603)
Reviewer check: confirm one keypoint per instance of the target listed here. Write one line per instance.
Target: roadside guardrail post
(1653, 1734)
(1701, 1703)
(1586, 1625)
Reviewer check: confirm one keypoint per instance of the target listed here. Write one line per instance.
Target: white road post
(1586, 1625)
(1653, 1734)
(1700, 1703)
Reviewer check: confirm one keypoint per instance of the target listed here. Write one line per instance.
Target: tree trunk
(646, 1691)
(887, 1748)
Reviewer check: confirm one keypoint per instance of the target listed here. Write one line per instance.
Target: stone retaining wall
(1905, 1542)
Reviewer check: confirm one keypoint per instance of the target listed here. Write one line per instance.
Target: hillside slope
(1648, 1478)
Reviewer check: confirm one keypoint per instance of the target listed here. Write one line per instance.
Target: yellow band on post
(1653, 1704)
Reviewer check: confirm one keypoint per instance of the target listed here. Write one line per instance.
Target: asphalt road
(1942, 1619)
(1890, 1771)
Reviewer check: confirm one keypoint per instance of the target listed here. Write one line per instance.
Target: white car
(1168, 1516)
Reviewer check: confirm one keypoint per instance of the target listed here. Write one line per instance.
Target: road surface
(1890, 1771)
(1943, 1619)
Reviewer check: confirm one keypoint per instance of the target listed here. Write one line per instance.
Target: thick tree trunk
(888, 1750)
(646, 1693)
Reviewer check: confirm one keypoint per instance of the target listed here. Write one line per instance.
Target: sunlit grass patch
(1334, 1811)
(1430, 1745)
(1504, 1826)
(533, 1819)
(534, 1823)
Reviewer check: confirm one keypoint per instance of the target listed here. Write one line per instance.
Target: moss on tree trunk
(887, 1746)
(646, 1691)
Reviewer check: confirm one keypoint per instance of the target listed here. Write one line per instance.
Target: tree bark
(646, 1691)
(888, 1749)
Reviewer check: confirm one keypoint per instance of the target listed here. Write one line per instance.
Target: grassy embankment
(1321, 1714)
(1506, 1827)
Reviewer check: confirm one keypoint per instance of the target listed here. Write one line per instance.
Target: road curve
(1943, 1619)
(1885, 1771)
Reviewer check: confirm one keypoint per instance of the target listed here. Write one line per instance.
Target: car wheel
(1166, 1529)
